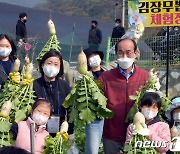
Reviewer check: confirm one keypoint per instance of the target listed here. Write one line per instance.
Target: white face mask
(39, 119)
(125, 63)
(94, 61)
(50, 71)
(176, 117)
(148, 114)
(4, 52)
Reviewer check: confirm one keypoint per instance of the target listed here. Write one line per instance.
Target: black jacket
(3, 75)
(95, 36)
(21, 32)
(56, 92)
(118, 32)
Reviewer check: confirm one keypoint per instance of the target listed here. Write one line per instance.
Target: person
(157, 130)
(173, 113)
(119, 83)
(52, 88)
(21, 33)
(13, 150)
(8, 54)
(95, 36)
(41, 111)
(161, 32)
(118, 30)
(94, 130)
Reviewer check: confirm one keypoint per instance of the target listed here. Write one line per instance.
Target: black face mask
(24, 20)
(92, 26)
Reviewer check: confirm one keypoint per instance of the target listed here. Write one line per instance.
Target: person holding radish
(173, 115)
(41, 111)
(118, 84)
(52, 88)
(8, 54)
(94, 130)
(156, 131)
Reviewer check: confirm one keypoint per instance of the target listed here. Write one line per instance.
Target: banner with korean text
(154, 13)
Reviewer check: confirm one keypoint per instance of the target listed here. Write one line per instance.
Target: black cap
(22, 15)
(90, 51)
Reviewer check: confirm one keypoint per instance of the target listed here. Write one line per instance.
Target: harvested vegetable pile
(139, 134)
(154, 86)
(52, 43)
(86, 101)
(16, 99)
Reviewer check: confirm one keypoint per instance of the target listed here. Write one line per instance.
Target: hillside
(98, 9)
(25, 3)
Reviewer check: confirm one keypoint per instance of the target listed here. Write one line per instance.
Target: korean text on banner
(154, 13)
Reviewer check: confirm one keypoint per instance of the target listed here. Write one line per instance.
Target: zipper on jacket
(50, 85)
(126, 96)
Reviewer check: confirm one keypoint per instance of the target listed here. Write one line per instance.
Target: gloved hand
(78, 76)
(142, 131)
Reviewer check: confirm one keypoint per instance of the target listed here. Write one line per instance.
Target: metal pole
(123, 13)
(107, 53)
(115, 16)
(72, 40)
(32, 137)
(167, 62)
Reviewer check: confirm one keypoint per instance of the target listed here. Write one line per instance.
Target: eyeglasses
(122, 53)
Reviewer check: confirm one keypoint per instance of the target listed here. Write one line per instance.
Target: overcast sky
(26, 3)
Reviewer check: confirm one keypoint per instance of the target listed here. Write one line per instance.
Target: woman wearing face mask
(94, 130)
(41, 111)
(7, 56)
(173, 113)
(158, 131)
(52, 88)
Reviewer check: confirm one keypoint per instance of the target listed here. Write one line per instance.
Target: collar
(30, 120)
(127, 76)
(51, 83)
(155, 120)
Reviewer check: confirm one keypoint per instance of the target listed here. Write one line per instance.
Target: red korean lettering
(156, 19)
(177, 18)
(168, 18)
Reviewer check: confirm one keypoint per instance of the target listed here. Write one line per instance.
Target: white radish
(82, 63)
(64, 126)
(174, 131)
(29, 71)
(139, 121)
(51, 27)
(16, 65)
(6, 108)
(152, 76)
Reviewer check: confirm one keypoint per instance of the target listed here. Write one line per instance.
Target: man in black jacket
(118, 31)
(95, 36)
(21, 33)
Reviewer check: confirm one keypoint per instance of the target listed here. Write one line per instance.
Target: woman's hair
(41, 101)
(150, 98)
(52, 53)
(13, 54)
(13, 150)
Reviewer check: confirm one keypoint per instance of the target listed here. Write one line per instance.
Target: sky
(26, 3)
